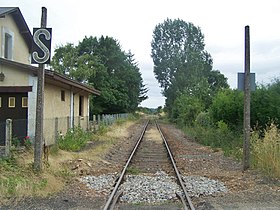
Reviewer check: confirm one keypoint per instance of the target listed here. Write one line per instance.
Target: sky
(132, 23)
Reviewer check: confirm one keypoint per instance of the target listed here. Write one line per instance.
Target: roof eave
(54, 75)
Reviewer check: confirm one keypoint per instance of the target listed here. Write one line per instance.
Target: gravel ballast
(154, 188)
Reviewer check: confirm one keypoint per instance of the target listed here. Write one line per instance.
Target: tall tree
(174, 44)
(182, 65)
(102, 63)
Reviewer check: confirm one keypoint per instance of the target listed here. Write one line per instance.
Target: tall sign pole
(41, 56)
(247, 126)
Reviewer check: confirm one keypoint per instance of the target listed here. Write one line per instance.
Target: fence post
(56, 130)
(68, 123)
(103, 119)
(93, 122)
(8, 137)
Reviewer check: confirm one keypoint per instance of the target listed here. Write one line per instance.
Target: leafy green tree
(181, 64)
(265, 105)
(102, 64)
(174, 44)
(186, 108)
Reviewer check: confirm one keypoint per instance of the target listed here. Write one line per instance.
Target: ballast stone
(155, 188)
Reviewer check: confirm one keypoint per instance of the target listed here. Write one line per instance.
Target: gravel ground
(247, 190)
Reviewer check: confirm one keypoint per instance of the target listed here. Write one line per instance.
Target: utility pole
(247, 126)
(38, 146)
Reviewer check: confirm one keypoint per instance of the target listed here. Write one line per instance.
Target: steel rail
(175, 168)
(113, 193)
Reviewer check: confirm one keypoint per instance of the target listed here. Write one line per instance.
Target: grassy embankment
(265, 151)
(18, 180)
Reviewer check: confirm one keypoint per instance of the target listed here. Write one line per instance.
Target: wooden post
(247, 127)
(8, 137)
(38, 146)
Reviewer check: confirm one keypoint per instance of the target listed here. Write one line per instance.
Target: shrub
(228, 106)
(217, 136)
(186, 108)
(203, 119)
(74, 140)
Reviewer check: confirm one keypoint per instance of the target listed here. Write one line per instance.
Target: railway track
(150, 154)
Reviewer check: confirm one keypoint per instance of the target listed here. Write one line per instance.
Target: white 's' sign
(41, 47)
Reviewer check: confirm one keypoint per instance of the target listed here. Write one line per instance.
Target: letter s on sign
(41, 50)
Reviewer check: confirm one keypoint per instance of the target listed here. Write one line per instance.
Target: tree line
(197, 93)
(101, 63)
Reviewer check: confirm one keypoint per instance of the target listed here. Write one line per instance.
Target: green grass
(217, 137)
(133, 170)
(265, 151)
(16, 179)
(74, 140)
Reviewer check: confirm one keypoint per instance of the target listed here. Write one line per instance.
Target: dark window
(62, 95)
(81, 106)
(8, 46)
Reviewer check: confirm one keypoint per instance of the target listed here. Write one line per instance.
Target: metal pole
(247, 127)
(38, 146)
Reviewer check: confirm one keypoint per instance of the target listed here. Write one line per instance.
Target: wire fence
(53, 128)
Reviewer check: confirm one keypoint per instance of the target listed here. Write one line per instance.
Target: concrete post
(8, 137)
(247, 127)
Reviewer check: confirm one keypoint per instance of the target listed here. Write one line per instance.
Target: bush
(228, 106)
(186, 108)
(203, 119)
(74, 140)
(219, 136)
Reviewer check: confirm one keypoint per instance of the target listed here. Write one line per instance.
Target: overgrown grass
(219, 136)
(74, 140)
(266, 151)
(17, 178)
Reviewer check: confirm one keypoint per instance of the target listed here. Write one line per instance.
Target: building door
(14, 106)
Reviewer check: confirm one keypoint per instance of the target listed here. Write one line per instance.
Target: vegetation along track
(151, 154)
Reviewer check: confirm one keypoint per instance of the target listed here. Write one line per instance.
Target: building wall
(20, 51)
(59, 114)
(14, 77)
(54, 106)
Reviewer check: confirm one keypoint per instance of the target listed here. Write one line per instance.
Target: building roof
(51, 76)
(20, 22)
